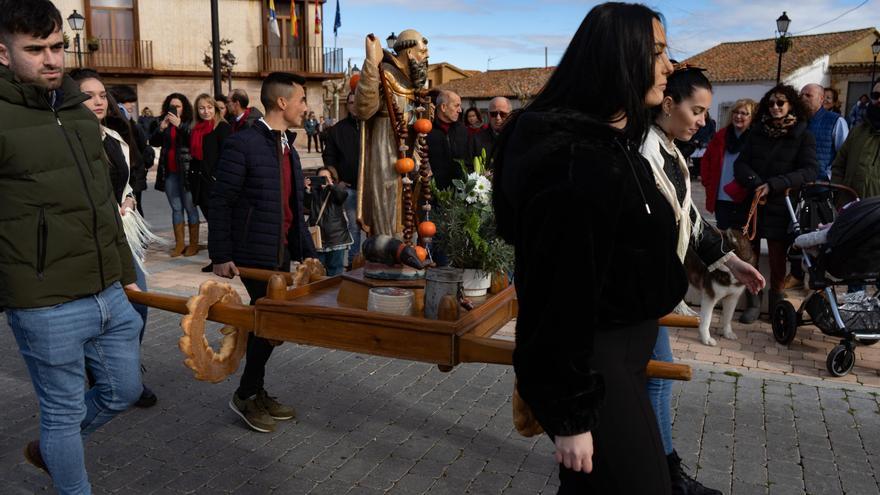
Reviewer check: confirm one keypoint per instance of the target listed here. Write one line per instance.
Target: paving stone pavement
(369, 425)
(377, 425)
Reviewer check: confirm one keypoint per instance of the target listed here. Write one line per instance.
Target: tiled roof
(756, 60)
(505, 82)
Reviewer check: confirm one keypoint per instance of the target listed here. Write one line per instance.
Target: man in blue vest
(830, 131)
(829, 128)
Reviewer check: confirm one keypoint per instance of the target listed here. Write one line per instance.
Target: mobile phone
(318, 180)
(172, 109)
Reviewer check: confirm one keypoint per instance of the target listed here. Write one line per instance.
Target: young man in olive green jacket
(63, 255)
(857, 164)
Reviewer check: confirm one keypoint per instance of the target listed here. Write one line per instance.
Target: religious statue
(390, 96)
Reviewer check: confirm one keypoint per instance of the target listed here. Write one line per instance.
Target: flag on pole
(294, 22)
(273, 19)
(338, 22)
(317, 19)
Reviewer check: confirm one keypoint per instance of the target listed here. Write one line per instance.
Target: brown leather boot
(193, 247)
(178, 240)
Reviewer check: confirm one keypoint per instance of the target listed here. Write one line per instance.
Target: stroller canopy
(854, 240)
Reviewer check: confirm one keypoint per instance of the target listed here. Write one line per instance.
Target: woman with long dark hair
(779, 155)
(587, 323)
(678, 118)
(173, 135)
(120, 147)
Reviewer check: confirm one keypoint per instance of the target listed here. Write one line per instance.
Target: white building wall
(817, 73)
(725, 94)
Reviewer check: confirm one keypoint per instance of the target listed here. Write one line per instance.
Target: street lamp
(782, 42)
(875, 48)
(77, 23)
(391, 40)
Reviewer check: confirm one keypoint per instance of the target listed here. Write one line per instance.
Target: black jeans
(628, 454)
(259, 350)
(313, 137)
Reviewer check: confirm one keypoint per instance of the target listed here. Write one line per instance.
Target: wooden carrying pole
(471, 348)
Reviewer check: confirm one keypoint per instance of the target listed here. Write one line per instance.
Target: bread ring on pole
(206, 364)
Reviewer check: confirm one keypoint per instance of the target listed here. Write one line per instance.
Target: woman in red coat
(716, 168)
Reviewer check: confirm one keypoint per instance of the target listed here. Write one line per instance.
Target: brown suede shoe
(792, 282)
(34, 457)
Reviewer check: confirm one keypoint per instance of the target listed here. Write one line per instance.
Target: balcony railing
(300, 59)
(115, 54)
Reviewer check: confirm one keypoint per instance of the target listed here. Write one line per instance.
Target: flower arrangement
(466, 224)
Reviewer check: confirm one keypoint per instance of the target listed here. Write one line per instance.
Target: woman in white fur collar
(119, 154)
(682, 113)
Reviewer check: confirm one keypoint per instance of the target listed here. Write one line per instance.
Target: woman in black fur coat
(595, 241)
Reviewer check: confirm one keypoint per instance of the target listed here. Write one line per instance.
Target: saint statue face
(414, 57)
(418, 53)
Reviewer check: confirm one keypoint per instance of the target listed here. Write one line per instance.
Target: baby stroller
(848, 254)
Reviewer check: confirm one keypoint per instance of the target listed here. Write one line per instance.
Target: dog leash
(750, 229)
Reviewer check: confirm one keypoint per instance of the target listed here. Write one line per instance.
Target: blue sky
(513, 33)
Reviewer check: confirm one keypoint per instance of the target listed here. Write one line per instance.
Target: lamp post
(782, 42)
(77, 22)
(875, 48)
(391, 40)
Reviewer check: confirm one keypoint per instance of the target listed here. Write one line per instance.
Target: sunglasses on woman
(778, 103)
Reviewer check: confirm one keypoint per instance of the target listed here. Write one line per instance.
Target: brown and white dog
(718, 285)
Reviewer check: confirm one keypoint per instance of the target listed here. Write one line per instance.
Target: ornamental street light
(77, 23)
(875, 48)
(391, 40)
(782, 42)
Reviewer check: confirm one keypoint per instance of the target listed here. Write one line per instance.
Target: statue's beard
(418, 72)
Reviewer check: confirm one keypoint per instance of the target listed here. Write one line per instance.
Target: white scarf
(137, 230)
(650, 149)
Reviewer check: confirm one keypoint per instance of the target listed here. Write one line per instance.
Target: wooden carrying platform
(332, 313)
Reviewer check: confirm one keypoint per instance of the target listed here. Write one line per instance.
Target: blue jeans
(333, 261)
(660, 391)
(353, 227)
(179, 199)
(57, 344)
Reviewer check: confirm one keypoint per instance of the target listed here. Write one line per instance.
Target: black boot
(682, 483)
(753, 307)
(147, 398)
(209, 268)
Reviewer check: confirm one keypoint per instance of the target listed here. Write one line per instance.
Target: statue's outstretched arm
(366, 100)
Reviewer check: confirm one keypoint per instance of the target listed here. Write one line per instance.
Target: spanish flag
(294, 23)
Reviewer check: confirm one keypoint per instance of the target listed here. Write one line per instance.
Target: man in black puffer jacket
(257, 221)
(448, 141)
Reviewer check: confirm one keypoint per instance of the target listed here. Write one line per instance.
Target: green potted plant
(466, 230)
(93, 44)
(66, 41)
